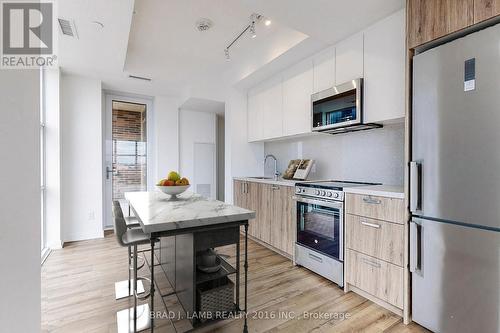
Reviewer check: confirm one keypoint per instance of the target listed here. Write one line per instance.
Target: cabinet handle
(371, 262)
(370, 200)
(315, 257)
(368, 224)
(246, 187)
(274, 187)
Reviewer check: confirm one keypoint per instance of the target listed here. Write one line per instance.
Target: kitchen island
(188, 225)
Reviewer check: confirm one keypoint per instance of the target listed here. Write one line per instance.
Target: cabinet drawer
(376, 238)
(380, 208)
(376, 277)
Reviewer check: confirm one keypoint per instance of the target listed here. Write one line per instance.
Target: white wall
(81, 167)
(196, 127)
(242, 158)
(166, 135)
(372, 156)
(20, 201)
(52, 158)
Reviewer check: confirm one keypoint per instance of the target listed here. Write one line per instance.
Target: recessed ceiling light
(203, 24)
(267, 22)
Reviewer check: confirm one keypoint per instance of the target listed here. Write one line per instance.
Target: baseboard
(45, 255)
(57, 245)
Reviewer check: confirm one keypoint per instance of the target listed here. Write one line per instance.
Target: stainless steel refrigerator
(455, 185)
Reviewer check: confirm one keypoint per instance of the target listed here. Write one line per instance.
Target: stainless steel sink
(259, 177)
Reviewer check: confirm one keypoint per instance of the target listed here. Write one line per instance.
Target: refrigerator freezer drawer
(376, 277)
(455, 287)
(380, 208)
(376, 238)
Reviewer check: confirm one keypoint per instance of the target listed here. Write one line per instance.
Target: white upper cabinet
(297, 90)
(324, 70)
(265, 110)
(272, 108)
(349, 59)
(384, 79)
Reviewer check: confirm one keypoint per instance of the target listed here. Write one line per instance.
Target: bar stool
(137, 318)
(124, 288)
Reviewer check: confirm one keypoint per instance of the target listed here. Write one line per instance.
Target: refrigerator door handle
(415, 186)
(415, 246)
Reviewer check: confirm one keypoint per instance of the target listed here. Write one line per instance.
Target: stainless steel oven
(320, 226)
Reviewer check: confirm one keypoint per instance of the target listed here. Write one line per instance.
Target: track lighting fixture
(251, 28)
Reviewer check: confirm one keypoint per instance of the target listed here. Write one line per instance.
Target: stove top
(337, 185)
(326, 189)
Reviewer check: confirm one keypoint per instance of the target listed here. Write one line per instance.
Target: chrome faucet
(276, 173)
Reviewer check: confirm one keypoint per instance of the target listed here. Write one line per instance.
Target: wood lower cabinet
(274, 223)
(376, 256)
(485, 9)
(375, 276)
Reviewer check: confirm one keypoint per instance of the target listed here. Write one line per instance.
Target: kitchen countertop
(156, 212)
(280, 181)
(388, 191)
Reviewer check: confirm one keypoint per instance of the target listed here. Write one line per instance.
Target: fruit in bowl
(173, 184)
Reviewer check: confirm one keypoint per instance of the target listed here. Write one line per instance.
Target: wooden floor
(78, 296)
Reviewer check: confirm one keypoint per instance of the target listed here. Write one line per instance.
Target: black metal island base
(187, 227)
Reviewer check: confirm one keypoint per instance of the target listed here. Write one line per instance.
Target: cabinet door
(431, 19)
(253, 203)
(266, 212)
(254, 116)
(384, 69)
(277, 217)
(349, 59)
(324, 70)
(297, 90)
(288, 221)
(239, 194)
(485, 9)
(271, 103)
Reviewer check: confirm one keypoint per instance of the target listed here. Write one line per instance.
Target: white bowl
(173, 190)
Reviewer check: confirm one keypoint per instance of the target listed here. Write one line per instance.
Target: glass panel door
(318, 228)
(129, 149)
(337, 109)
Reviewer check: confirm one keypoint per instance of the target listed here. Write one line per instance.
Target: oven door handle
(331, 204)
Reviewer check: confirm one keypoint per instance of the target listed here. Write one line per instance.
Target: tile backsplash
(373, 156)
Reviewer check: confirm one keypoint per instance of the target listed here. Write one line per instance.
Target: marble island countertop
(157, 212)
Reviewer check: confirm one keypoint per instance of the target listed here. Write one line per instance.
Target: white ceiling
(203, 105)
(327, 20)
(160, 40)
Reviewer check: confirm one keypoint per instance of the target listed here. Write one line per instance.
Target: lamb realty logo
(27, 35)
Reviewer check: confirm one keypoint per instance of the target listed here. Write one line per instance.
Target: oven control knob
(335, 195)
(323, 193)
(317, 192)
(329, 194)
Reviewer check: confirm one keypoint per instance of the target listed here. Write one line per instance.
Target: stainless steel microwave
(339, 109)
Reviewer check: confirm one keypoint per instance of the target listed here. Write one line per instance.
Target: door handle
(415, 186)
(372, 263)
(415, 246)
(370, 200)
(110, 170)
(373, 225)
(315, 257)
